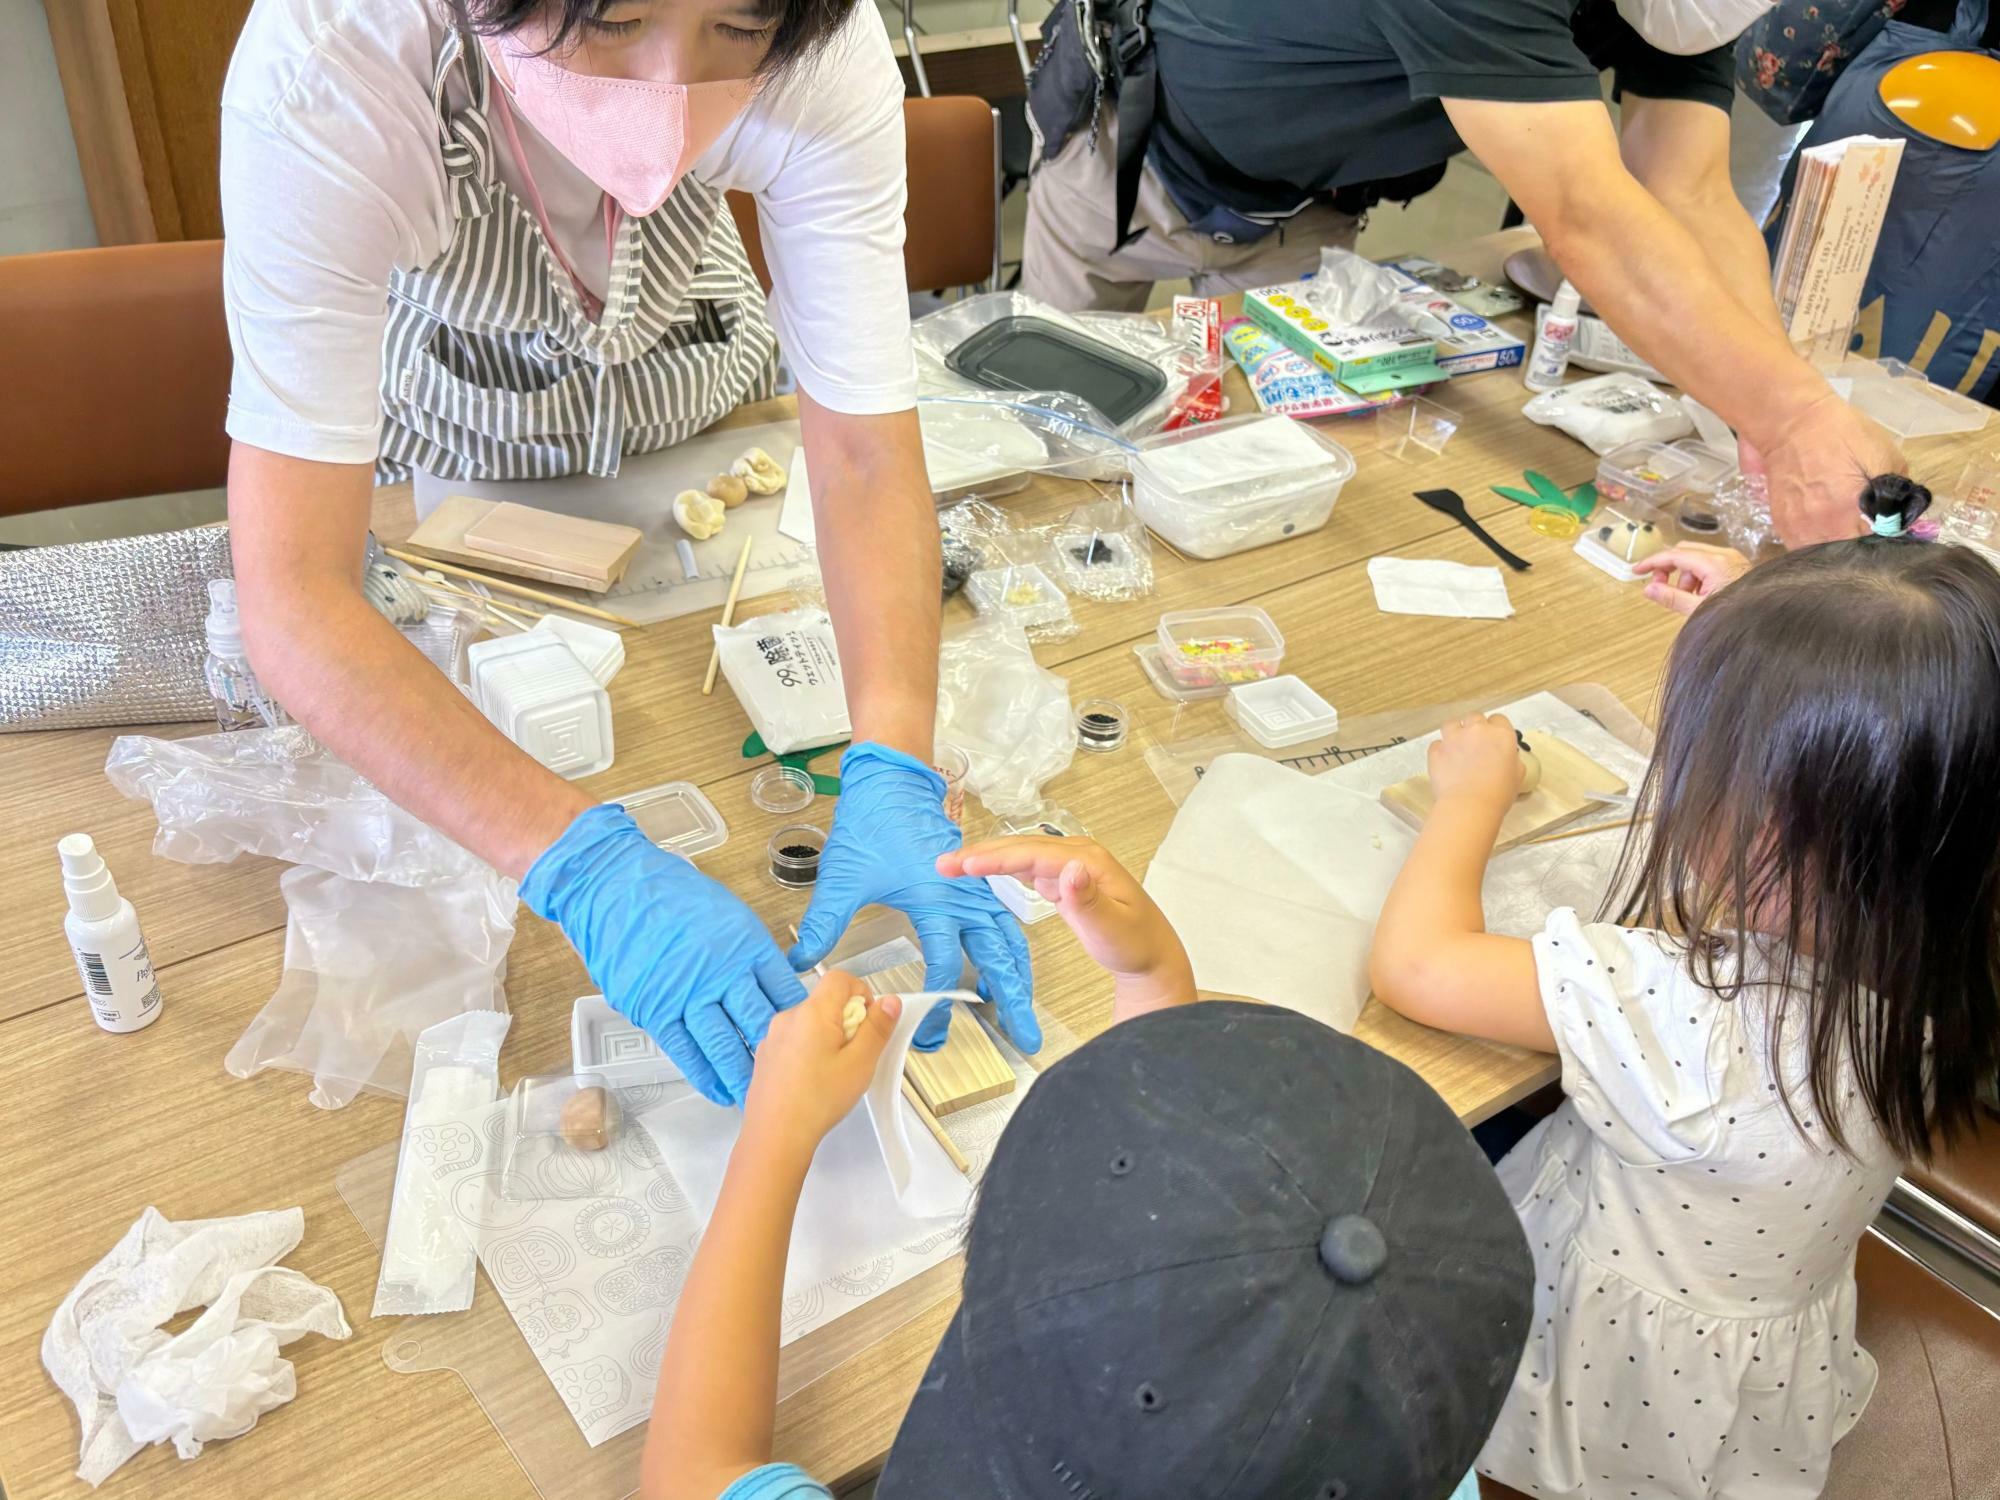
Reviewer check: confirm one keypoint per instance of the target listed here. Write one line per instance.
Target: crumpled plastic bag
(391, 926)
(133, 1384)
(1351, 290)
(1010, 716)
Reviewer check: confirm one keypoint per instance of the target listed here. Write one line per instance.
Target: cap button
(1352, 1248)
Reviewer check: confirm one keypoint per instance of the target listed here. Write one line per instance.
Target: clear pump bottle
(239, 702)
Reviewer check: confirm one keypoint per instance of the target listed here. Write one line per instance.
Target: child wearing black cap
(1221, 1253)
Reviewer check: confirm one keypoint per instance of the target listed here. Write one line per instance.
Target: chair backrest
(115, 368)
(952, 223)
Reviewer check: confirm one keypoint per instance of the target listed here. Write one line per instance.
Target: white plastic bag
(785, 671)
(1608, 411)
(1010, 717)
(1687, 27)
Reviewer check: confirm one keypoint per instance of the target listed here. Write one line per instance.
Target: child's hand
(808, 1074)
(1111, 915)
(1477, 757)
(1683, 576)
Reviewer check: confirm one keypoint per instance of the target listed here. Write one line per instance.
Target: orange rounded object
(1953, 97)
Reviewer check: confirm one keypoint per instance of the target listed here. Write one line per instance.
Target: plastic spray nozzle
(87, 881)
(224, 626)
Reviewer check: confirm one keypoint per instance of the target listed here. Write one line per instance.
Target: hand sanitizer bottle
(1554, 332)
(104, 935)
(239, 702)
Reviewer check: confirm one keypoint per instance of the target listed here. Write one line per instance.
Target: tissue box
(1474, 344)
(1370, 357)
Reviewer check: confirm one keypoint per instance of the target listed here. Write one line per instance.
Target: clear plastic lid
(782, 789)
(1202, 648)
(1711, 466)
(1241, 461)
(1646, 473)
(678, 818)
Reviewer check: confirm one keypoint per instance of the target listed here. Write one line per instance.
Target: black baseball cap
(1224, 1251)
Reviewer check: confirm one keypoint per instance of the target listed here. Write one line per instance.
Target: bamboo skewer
(1577, 833)
(515, 613)
(520, 590)
(728, 616)
(937, 1131)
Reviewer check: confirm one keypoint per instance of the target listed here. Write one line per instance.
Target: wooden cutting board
(967, 1070)
(570, 544)
(443, 535)
(1568, 776)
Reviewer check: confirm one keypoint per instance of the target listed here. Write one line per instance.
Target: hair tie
(1889, 523)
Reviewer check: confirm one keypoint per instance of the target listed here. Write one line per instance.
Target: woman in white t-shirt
(487, 239)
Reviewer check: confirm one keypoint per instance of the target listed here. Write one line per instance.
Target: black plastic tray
(1034, 354)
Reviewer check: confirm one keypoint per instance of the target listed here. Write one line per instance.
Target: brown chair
(115, 365)
(952, 222)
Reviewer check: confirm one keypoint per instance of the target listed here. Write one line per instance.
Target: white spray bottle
(1555, 331)
(104, 935)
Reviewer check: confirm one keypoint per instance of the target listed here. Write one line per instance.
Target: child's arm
(1109, 911)
(717, 1399)
(1433, 959)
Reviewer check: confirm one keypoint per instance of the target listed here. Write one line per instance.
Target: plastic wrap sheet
(984, 442)
(1010, 716)
(108, 632)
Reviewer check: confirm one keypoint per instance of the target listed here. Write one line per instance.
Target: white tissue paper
(1419, 586)
(1274, 880)
(133, 1384)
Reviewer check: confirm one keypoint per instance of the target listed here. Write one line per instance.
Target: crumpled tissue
(1427, 586)
(134, 1384)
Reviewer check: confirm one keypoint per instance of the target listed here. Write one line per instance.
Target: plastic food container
(1695, 510)
(1239, 483)
(1281, 711)
(678, 818)
(603, 1042)
(1029, 905)
(543, 699)
(1219, 648)
(547, 1148)
(601, 651)
(1021, 592)
(1643, 476)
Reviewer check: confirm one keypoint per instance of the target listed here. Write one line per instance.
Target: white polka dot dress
(1694, 1247)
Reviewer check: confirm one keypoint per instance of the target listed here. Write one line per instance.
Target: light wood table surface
(96, 1127)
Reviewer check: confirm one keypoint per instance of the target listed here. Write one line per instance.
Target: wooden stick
(514, 612)
(1577, 833)
(520, 590)
(728, 616)
(937, 1131)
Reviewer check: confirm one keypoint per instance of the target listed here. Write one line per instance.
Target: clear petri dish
(782, 789)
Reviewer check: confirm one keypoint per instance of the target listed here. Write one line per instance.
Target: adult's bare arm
(297, 530)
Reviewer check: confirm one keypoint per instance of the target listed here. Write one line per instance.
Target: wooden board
(549, 539)
(442, 535)
(1568, 775)
(967, 1070)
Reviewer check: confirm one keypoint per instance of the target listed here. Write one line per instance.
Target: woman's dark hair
(1828, 774)
(803, 25)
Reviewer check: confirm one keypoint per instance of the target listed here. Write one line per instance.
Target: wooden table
(99, 1126)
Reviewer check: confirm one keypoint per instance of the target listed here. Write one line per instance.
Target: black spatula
(1451, 503)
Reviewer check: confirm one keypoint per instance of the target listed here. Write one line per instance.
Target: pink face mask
(633, 137)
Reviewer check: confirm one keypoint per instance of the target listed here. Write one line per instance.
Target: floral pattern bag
(1787, 61)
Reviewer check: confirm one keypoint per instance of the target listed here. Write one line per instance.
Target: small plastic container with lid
(794, 853)
(1645, 476)
(678, 817)
(1020, 592)
(1695, 510)
(1219, 648)
(1281, 711)
(543, 699)
(1239, 483)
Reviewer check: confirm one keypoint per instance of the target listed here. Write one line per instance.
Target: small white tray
(1281, 711)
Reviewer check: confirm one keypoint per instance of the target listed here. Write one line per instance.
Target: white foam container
(603, 1042)
(542, 698)
(1225, 487)
(601, 651)
(1281, 711)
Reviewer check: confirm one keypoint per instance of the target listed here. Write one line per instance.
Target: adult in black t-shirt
(1268, 125)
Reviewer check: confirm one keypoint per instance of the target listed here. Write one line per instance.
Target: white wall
(42, 204)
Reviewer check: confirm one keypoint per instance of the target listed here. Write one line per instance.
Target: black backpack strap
(1137, 82)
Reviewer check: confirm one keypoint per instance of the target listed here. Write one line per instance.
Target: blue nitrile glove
(672, 950)
(888, 830)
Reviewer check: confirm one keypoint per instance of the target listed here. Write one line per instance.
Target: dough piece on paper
(1274, 880)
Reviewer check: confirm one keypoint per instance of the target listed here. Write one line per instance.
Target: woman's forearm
(717, 1399)
(348, 675)
(878, 548)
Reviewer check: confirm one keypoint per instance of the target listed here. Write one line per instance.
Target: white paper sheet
(795, 515)
(1274, 879)
(1422, 586)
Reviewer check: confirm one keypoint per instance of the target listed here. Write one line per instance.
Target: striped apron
(493, 369)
